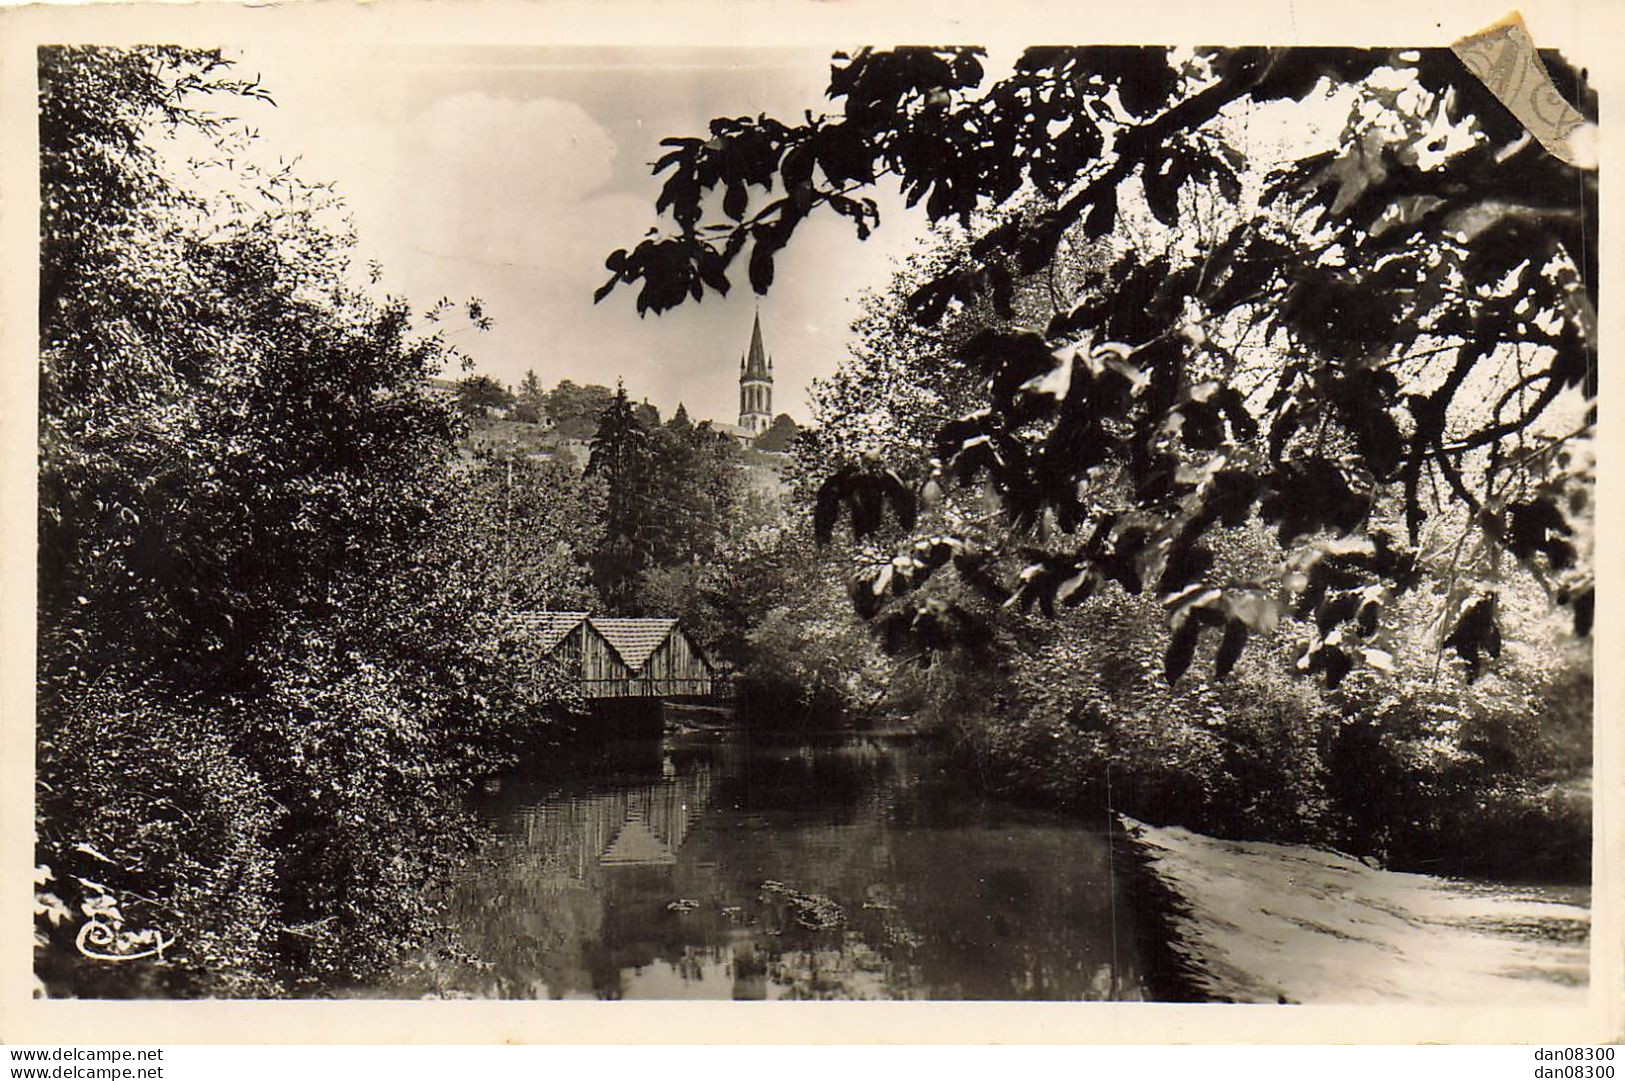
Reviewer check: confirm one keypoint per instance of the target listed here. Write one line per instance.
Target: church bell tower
(756, 384)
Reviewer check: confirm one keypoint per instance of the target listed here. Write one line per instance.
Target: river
(725, 866)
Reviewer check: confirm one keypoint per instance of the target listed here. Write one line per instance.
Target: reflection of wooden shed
(635, 845)
(623, 658)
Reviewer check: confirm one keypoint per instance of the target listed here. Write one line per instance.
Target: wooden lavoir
(623, 658)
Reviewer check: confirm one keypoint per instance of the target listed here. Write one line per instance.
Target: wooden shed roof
(634, 639)
(550, 628)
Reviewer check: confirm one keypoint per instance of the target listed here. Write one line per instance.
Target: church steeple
(756, 384)
(756, 362)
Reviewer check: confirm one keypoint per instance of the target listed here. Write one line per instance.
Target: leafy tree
(620, 447)
(679, 421)
(542, 521)
(621, 456)
(530, 402)
(698, 486)
(575, 409)
(672, 491)
(265, 676)
(779, 434)
(1411, 312)
(480, 395)
(1396, 764)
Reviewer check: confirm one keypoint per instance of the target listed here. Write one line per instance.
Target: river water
(726, 866)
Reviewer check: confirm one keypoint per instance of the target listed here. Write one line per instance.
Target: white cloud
(509, 191)
(489, 178)
(547, 149)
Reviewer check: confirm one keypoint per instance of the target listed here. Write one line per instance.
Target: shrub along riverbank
(1419, 769)
(1490, 778)
(272, 652)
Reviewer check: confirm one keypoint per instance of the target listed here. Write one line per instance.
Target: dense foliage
(574, 409)
(479, 395)
(1335, 409)
(272, 652)
(674, 497)
(779, 435)
(530, 402)
(1408, 312)
(538, 520)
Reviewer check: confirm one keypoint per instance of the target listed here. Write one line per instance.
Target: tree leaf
(1230, 647)
(1102, 216)
(1181, 648)
(761, 267)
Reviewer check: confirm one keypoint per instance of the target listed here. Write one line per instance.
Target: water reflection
(720, 868)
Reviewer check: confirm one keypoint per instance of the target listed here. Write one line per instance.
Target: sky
(509, 174)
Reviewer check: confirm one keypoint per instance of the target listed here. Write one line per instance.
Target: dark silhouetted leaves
(1364, 399)
(1538, 526)
(864, 492)
(1330, 663)
(1477, 634)
(1366, 617)
(1584, 604)
(1187, 563)
(1365, 273)
(1230, 498)
(733, 203)
(1336, 609)
(1144, 77)
(1181, 648)
(1102, 216)
(1309, 496)
(1162, 191)
(1230, 647)
(761, 267)
(930, 627)
(1182, 644)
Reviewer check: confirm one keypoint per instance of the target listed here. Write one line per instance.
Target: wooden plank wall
(568, 650)
(675, 668)
(603, 675)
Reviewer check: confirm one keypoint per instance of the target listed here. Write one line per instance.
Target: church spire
(756, 384)
(756, 360)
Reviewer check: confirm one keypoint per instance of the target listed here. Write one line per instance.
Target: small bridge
(623, 658)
